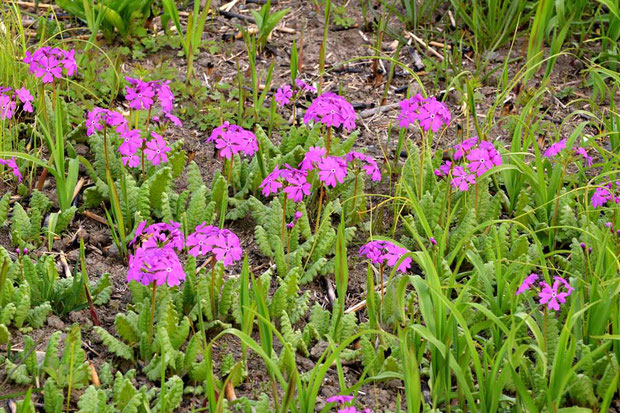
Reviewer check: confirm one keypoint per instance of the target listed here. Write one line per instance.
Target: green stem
(328, 139)
(318, 214)
(152, 312)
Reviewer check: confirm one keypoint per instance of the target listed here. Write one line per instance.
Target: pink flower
(311, 157)
(132, 161)
(48, 69)
(601, 196)
(527, 283)
(232, 139)
(409, 110)
(555, 149)
(14, 168)
(156, 149)
(298, 186)
(48, 63)
(270, 184)
(340, 399)
(204, 239)
(304, 86)
(480, 162)
(296, 217)
(552, 296)
(283, 95)
(7, 107)
(371, 168)
(373, 250)
(584, 155)
(444, 169)
(429, 113)
(385, 252)
(462, 148)
(228, 250)
(141, 96)
(461, 179)
(25, 97)
(332, 170)
(331, 110)
(132, 141)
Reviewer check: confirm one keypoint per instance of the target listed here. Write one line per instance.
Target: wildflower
(584, 154)
(340, 399)
(433, 241)
(228, 249)
(332, 170)
(270, 184)
(461, 179)
(429, 113)
(444, 169)
(283, 95)
(583, 245)
(25, 97)
(527, 283)
(298, 185)
(331, 110)
(601, 196)
(493, 154)
(132, 141)
(296, 217)
(312, 156)
(552, 296)
(464, 147)
(203, 239)
(304, 86)
(232, 139)
(14, 168)
(140, 94)
(371, 168)
(165, 96)
(555, 149)
(156, 149)
(132, 161)
(480, 162)
(7, 107)
(385, 252)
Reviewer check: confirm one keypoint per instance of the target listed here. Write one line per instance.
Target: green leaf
(113, 344)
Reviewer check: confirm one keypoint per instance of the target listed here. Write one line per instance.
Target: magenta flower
(371, 168)
(584, 154)
(10, 163)
(296, 217)
(332, 111)
(132, 141)
(156, 149)
(527, 283)
(444, 169)
(228, 249)
(340, 399)
(463, 148)
(601, 196)
(304, 86)
(48, 63)
(311, 157)
(7, 107)
(332, 170)
(271, 184)
(429, 113)
(461, 179)
(298, 185)
(232, 139)
(480, 162)
(433, 241)
(283, 95)
(140, 96)
(555, 149)
(99, 118)
(202, 241)
(385, 252)
(25, 97)
(132, 161)
(552, 296)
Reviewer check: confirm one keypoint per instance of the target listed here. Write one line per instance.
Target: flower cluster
(556, 148)
(156, 258)
(155, 149)
(10, 163)
(296, 217)
(331, 110)
(481, 156)
(602, 195)
(222, 243)
(385, 252)
(294, 181)
(304, 87)
(145, 95)
(428, 113)
(283, 95)
(8, 101)
(368, 164)
(48, 63)
(552, 296)
(343, 401)
(232, 139)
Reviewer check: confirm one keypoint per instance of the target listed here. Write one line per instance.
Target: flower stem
(318, 214)
(353, 211)
(422, 165)
(284, 222)
(328, 139)
(152, 312)
(230, 169)
(212, 290)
